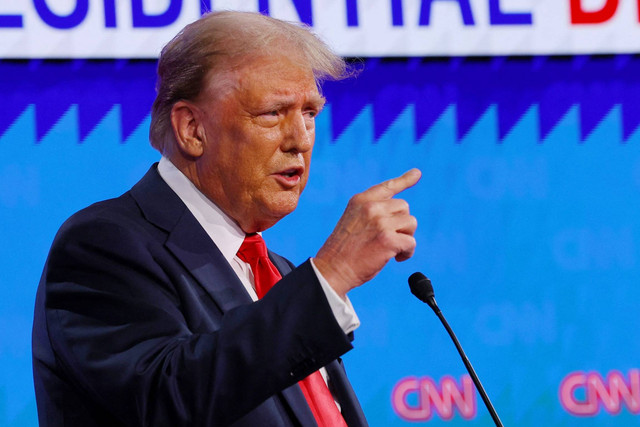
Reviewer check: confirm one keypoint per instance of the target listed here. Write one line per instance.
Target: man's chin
(282, 207)
(266, 214)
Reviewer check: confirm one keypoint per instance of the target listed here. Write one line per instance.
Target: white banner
(139, 28)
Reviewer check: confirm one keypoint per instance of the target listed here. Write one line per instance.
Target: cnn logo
(417, 399)
(584, 394)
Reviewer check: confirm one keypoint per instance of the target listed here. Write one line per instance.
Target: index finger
(391, 187)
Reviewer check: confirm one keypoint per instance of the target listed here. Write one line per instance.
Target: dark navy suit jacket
(140, 321)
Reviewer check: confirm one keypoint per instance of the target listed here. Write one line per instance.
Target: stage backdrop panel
(527, 210)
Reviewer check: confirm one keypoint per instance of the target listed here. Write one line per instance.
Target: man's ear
(187, 129)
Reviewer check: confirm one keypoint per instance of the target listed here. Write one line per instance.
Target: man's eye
(268, 118)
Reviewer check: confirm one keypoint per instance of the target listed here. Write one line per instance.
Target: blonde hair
(221, 40)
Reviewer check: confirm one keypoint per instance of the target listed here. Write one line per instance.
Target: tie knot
(252, 248)
(254, 252)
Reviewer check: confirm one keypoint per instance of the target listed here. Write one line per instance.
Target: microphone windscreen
(421, 287)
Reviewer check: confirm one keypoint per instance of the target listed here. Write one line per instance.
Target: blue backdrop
(527, 209)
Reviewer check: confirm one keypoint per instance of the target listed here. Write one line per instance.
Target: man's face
(259, 131)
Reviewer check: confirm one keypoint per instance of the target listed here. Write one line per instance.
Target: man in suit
(149, 313)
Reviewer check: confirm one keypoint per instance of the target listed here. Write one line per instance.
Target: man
(147, 313)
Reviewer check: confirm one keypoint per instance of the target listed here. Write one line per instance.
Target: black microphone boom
(421, 287)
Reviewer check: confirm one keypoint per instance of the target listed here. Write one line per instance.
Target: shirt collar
(224, 231)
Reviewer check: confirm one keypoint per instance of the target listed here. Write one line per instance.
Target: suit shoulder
(120, 210)
(122, 206)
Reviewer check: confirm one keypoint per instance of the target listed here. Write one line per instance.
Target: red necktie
(254, 252)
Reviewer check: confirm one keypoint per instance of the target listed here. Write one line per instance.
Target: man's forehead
(278, 76)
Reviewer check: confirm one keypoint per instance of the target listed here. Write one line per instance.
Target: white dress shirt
(228, 237)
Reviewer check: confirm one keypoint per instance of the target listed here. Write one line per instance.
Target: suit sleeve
(123, 331)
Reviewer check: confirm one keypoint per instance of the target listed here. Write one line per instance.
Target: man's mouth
(290, 177)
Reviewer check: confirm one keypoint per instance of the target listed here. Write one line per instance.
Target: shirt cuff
(342, 309)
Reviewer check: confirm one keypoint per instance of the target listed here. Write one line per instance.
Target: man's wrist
(340, 305)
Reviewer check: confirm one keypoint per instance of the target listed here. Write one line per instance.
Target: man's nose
(299, 133)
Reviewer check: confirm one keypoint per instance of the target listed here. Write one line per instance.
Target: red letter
(450, 396)
(616, 391)
(399, 401)
(580, 16)
(568, 399)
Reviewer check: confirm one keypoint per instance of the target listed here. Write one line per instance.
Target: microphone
(421, 287)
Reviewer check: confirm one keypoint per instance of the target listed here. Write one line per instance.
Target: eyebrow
(317, 101)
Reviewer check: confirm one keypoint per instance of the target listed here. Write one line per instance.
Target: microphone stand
(472, 372)
(421, 287)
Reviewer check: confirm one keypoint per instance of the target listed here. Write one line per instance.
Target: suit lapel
(188, 242)
(200, 256)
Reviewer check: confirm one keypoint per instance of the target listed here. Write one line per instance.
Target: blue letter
(168, 17)
(303, 7)
(56, 21)
(263, 7)
(396, 13)
(305, 11)
(10, 21)
(465, 9)
(110, 13)
(352, 13)
(205, 7)
(498, 17)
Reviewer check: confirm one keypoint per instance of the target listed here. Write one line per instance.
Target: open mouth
(290, 173)
(290, 177)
